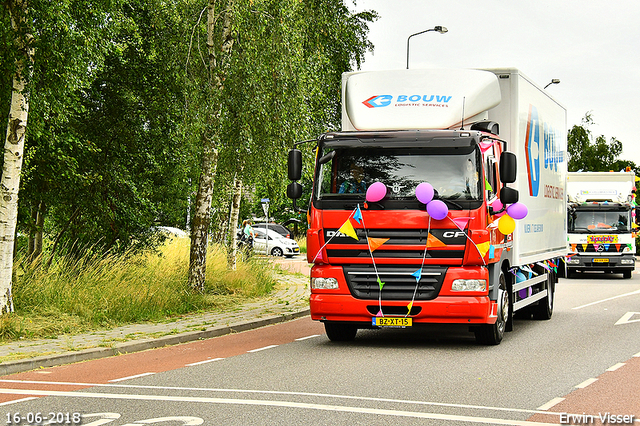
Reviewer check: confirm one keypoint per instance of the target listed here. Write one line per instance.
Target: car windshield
(599, 221)
(454, 173)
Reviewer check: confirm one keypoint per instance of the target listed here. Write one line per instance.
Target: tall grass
(94, 292)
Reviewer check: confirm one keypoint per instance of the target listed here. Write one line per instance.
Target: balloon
(437, 209)
(496, 206)
(376, 192)
(517, 210)
(424, 192)
(506, 224)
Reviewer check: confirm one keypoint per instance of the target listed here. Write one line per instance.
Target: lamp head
(441, 29)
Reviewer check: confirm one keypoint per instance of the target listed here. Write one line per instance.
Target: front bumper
(595, 262)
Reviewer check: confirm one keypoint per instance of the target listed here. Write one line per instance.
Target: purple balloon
(517, 211)
(424, 192)
(437, 209)
(376, 192)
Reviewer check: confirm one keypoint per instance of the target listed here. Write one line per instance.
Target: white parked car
(275, 244)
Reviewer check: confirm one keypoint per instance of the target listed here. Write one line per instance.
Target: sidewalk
(289, 300)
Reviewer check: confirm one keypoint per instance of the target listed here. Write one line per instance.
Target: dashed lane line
(616, 366)
(550, 404)
(262, 349)
(131, 377)
(206, 361)
(586, 383)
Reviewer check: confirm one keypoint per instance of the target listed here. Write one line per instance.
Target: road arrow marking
(626, 318)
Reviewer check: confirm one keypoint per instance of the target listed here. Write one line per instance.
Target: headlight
(324, 283)
(627, 261)
(573, 261)
(469, 285)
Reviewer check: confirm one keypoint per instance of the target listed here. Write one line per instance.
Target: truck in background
(601, 217)
(432, 243)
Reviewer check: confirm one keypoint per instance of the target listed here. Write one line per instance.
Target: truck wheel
(340, 332)
(492, 334)
(544, 309)
(627, 274)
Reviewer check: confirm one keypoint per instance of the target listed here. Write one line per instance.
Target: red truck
(419, 214)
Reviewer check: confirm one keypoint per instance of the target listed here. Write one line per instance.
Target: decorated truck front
(601, 222)
(417, 219)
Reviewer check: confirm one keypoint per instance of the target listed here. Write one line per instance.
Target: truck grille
(602, 248)
(402, 244)
(399, 284)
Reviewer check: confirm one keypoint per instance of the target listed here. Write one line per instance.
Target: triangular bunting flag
(618, 247)
(584, 247)
(595, 246)
(487, 185)
(492, 251)
(483, 248)
(380, 283)
(606, 247)
(484, 146)
(409, 306)
(357, 216)
(461, 222)
(434, 242)
(374, 243)
(319, 257)
(417, 274)
(379, 314)
(347, 229)
(574, 247)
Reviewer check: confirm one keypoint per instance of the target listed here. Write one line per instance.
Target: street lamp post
(438, 28)
(554, 81)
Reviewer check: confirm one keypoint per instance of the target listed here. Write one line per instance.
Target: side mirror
(294, 164)
(294, 190)
(508, 196)
(508, 167)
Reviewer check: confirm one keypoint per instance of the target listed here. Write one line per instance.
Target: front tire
(492, 334)
(337, 332)
(277, 251)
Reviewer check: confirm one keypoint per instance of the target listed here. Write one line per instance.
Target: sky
(591, 46)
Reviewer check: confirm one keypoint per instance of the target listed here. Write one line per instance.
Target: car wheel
(277, 251)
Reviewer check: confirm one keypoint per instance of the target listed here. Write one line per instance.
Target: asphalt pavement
(289, 300)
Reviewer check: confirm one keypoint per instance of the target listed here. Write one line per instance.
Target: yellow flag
(409, 306)
(483, 248)
(374, 243)
(347, 229)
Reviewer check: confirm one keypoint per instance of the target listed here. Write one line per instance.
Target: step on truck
(419, 213)
(601, 217)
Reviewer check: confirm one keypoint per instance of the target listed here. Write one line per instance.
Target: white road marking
(552, 403)
(262, 349)
(131, 377)
(17, 400)
(586, 383)
(606, 300)
(626, 318)
(615, 367)
(637, 355)
(204, 362)
(286, 404)
(308, 337)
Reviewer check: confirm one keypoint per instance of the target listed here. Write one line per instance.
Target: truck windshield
(600, 221)
(454, 173)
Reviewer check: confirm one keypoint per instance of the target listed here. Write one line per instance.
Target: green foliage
(96, 291)
(594, 156)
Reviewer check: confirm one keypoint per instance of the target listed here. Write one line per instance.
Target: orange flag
(374, 243)
(434, 242)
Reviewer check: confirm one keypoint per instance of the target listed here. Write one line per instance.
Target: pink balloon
(496, 206)
(437, 209)
(424, 192)
(376, 192)
(517, 211)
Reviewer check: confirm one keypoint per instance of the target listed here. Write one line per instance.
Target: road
(584, 361)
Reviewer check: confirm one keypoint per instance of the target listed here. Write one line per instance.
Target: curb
(20, 366)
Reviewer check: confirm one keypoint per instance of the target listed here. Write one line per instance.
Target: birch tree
(14, 147)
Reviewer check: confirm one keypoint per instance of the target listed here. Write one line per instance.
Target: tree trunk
(13, 152)
(202, 215)
(233, 222)
(35, 235)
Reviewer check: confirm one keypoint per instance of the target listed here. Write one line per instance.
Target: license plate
(391, 322)
(600, 260)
